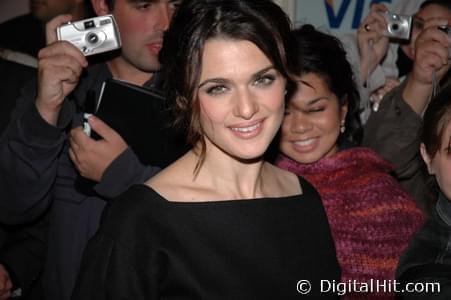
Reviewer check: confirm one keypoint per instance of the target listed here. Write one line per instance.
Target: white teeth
(247, 129)
(304, 143)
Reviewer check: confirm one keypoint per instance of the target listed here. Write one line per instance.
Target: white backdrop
(338, 16)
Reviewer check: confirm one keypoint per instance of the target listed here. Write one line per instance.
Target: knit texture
(371, 217)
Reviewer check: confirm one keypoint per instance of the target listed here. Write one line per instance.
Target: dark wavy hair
(323, 54)
(261, 22)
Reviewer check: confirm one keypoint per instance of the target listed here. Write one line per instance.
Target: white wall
(338, 16)
(300, 11)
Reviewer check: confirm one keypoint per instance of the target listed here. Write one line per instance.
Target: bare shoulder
(173, 181)
(284, 180)
(168, 181)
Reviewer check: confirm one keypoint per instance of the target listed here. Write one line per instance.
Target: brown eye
(216, 90)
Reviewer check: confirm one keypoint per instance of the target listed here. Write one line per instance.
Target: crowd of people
(307, 158)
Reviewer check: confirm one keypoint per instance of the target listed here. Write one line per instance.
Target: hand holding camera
(398, 26)
(431, 52)
(372, 42)
(59, 68)
(430, 65)
(63, 60)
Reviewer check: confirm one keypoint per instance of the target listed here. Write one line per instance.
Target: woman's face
(440, 164)
(432, 11)
(241, 98)
(312, 121)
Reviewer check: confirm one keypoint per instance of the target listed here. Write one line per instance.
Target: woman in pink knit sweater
(372, 218)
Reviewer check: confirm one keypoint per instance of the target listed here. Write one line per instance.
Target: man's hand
(5, 284)
(431, 57)
(59, 68)
(372, 43)
(91, 157)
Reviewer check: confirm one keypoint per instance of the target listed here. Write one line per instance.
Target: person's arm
(372, 43)
(393, 132)
(108, 161)
(431, 63)
(119, 262)
(131, 171)
(29, 149)
(32, 142)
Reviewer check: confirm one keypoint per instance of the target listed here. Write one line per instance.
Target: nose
(163, 16)
(246, 106)
(300, 123)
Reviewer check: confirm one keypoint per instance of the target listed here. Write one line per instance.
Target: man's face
(46, 10)
(141, 25)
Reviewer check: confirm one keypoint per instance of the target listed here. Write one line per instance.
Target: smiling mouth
(247, 129)
(303, 143)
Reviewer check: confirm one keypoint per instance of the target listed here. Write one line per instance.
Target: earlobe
(426, 158)
(344, 108)
(100, 7)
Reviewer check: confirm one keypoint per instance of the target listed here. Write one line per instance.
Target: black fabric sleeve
(107, 272)
(29, 151)
(117, 262)
(132, 172)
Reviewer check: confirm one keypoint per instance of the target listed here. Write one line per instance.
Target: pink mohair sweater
(371, 217)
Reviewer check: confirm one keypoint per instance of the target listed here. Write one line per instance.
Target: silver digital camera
(91, 36)
(398, 26)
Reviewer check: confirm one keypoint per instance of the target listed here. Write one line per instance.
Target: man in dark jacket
(22, 248)
(41, 157)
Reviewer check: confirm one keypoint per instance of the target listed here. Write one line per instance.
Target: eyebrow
(223, 80)
(315, 100)
(151, 1)
(417, 18)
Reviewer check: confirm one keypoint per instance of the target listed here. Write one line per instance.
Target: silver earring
(342, 126)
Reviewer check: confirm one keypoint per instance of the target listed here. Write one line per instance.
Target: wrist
(48, 112)
(416, 94)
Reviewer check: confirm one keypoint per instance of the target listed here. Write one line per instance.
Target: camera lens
(92, 38)
(394, 27)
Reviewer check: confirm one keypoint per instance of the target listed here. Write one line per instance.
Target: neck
(234, 178)
(121, 69)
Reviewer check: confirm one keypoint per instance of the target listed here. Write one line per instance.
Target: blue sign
(339, 16)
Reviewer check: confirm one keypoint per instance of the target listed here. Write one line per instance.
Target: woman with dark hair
(371, 217)
(220, 222)
(428, 257)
